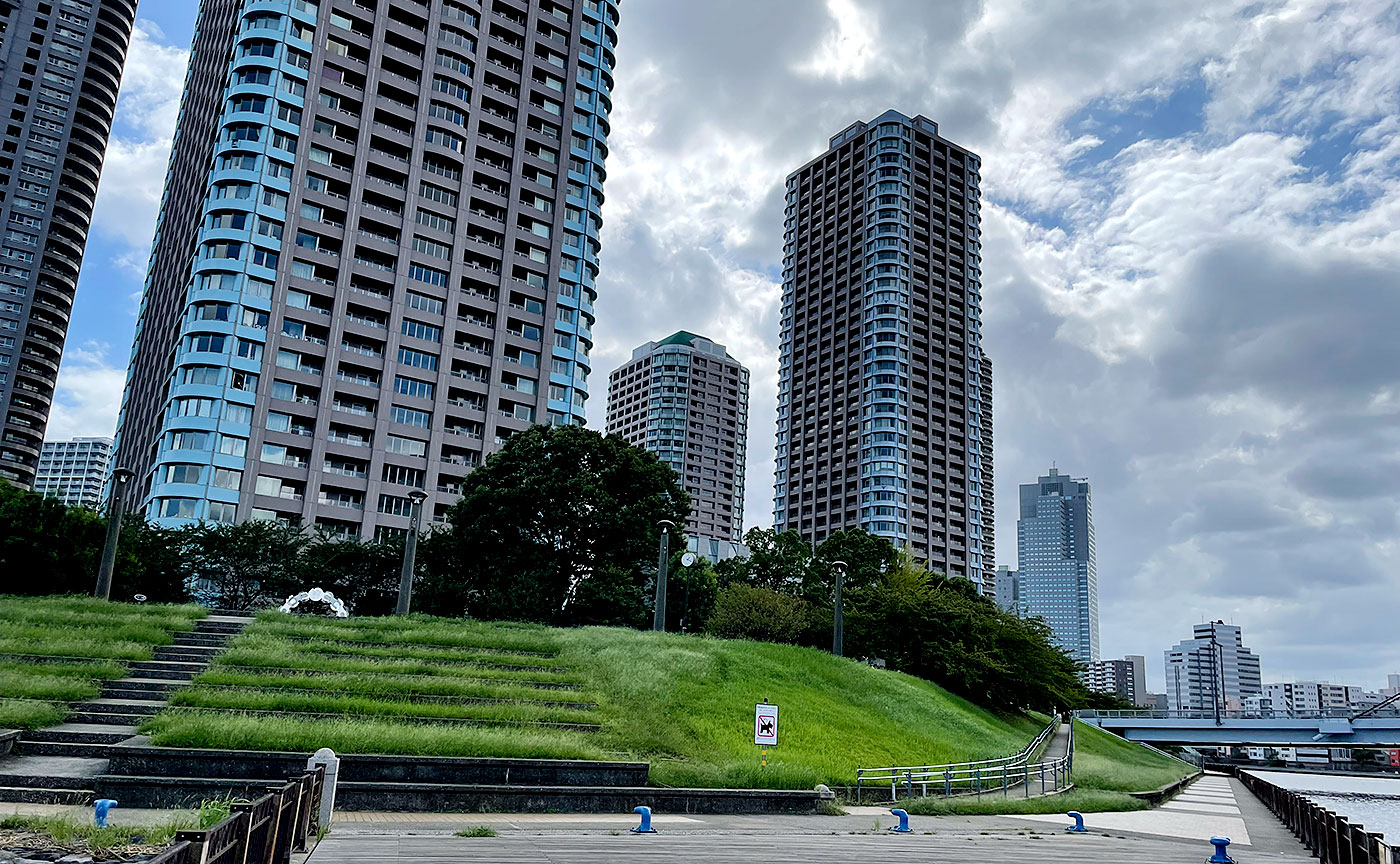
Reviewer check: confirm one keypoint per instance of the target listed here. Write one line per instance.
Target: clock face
(688, 558)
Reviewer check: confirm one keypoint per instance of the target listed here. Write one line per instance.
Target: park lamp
(410, 551)
(658, 617)
(115, 509)
(838, 634)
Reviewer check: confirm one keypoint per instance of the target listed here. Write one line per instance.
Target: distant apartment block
(1008, 591)
(884, 392)
(1126, 678)
(74, 471)
(376, 256)
(1211, 670)
(1311, 697)
(686, 400)
(1056, 563)
(60, 64)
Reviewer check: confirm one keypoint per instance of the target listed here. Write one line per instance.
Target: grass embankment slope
(1106, 769)
(58, 650)
(437, 686)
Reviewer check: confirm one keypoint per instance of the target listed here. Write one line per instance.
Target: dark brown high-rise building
(60, 64)
(686, 400)
(376, 255)
(884, 398)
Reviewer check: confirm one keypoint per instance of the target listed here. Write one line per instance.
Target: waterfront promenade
(1178, 832)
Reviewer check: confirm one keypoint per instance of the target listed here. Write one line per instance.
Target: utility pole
(115, 510)
(410, 552)
(838, 628)
(658, 617)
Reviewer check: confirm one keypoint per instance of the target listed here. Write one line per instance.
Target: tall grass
(36, 685)
(390, 686)
(366, 706)
(243, 732)
(1105, 761)
(1083, 800)
(288, 657)
(28, 714)
(414, 629)
(407, 651)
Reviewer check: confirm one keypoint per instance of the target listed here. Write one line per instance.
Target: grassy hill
(438, 686)
(57, 650)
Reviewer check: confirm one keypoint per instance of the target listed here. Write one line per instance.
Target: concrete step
(122, 718)
(50, 772)
(151, 685)
(59, 748)
(172, 670)
(151, 696)
(208, 640)
(179, 654)
(75, 732)
(27, 795)
(121, 706)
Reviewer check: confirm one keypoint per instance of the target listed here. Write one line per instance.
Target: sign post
(765, 728)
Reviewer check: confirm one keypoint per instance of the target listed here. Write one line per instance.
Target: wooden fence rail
(1332, 838)
(264, 831)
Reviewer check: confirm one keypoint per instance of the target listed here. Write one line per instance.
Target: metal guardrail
(1332, 838)
(983, 776)
(265, 831)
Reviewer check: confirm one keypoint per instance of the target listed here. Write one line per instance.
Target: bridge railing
(1235, 714)
(984, 776)
(1333, 839)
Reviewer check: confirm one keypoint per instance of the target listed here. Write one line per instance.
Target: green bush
(745, 612)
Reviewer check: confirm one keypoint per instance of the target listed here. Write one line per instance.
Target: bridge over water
(1239, 728)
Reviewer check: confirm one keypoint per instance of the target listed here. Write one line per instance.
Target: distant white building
(1313, 697)
(1212, 669)
(73, 471)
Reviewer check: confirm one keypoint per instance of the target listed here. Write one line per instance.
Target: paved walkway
(1178, 832)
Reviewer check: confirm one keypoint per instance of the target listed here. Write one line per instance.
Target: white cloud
(89, 394)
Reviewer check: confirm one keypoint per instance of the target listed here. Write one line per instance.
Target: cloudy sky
(1191, 256)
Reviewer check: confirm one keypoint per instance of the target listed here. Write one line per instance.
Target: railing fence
(1332, 838)
(264, 831)
(987, 776)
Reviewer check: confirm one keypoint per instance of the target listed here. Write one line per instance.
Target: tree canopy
(561, 525)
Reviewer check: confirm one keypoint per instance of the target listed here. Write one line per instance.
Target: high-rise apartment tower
(376, 255)
(883, 407)
(685, 399)
(74, 471)
(60, 64)
(1056, 566)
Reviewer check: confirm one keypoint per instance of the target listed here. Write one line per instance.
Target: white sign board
(765, 725)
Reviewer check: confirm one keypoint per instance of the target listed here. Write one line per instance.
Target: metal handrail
(973, 776)
(1237, 714)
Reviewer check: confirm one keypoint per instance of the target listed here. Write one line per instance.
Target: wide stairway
(60, 764)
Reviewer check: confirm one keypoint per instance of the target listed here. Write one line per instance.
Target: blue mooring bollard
(645, 827)
(102, 805)
(1220, 856)
(903, 826)
(1078, 826)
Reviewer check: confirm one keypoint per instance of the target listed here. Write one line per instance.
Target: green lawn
(683, 703)
(84, 642)
(1106, 769)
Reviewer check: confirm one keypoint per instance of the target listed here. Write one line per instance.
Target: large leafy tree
(560, 526)
(364, 574)
(244, 566)
(47, 547)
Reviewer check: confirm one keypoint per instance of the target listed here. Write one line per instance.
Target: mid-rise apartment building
(74, 471)
(1126, 678)
(686, 400)
(376, 257)
(1056, 561)
(61, 62)
(883, 395)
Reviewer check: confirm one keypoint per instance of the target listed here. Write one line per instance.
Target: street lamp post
(115, 509)
(838, 628)
(410, 551)
(658, 618)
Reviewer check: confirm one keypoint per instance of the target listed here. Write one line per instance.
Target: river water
(1371, 801)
